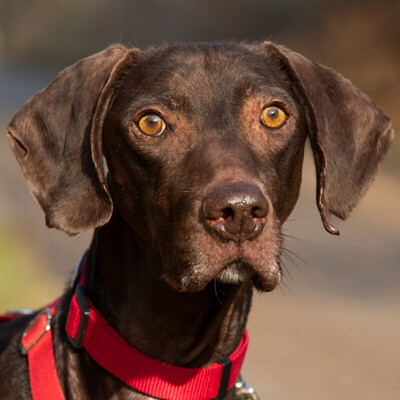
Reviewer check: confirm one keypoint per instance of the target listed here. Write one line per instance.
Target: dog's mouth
(239, 271)
(264, 275)
(235, 272)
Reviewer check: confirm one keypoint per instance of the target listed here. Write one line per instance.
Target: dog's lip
(173, 284)
(263, 279)
(267, 277)
(260, 259)
(235, 271)
(268, 280)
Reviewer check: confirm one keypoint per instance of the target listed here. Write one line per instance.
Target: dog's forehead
(202, 73)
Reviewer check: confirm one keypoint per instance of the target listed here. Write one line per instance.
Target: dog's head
(204, 147)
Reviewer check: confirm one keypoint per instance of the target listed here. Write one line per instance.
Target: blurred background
(332, 330)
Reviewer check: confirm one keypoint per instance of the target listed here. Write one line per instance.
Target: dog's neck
(185, 329)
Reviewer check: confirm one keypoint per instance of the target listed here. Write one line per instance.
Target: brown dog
(204, 148)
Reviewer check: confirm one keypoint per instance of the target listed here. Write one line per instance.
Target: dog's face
(193, 157)
(204, 146)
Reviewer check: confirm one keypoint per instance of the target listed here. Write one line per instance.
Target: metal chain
(245, 391)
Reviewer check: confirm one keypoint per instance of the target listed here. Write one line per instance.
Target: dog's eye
(273, 117)
(151, 124)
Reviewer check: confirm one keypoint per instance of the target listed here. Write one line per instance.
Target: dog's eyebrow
(275, 93)
(171, 100)
(176, 100)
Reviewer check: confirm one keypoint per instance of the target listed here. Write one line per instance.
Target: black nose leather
(236, 211)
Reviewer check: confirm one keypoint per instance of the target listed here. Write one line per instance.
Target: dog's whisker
(292, 237)
(285, 251)
(286, 271)
(289, 258)
(216, 292)
(282, 286)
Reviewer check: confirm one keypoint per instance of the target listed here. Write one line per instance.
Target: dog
(187, 160)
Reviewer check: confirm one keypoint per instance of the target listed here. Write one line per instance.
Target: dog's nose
(236, 211)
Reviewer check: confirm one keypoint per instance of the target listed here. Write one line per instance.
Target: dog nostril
(258, 213)
(227, 213)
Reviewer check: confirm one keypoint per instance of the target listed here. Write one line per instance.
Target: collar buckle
(46, 312)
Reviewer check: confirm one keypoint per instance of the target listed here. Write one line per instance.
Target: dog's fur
(162, 268)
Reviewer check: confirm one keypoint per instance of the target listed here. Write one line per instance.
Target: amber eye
(151, 124)
(273, 117)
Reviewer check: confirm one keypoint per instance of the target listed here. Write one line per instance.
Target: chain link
(245, 391)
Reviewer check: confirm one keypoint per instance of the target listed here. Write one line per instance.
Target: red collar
(87, 329)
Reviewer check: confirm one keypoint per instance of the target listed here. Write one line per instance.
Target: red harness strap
(87, 328)
(37, 344)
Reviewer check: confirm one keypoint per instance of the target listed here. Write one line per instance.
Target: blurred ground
(332, 330)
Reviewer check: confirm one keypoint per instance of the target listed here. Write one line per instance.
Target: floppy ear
(349, 134)
(56, 138)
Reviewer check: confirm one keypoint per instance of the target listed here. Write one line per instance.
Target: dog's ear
(56, 138)
(349, 134)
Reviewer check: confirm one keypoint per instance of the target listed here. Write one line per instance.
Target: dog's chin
(239, 271)
(234, 272)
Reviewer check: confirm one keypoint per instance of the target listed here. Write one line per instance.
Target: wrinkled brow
(171, 100)
(275, 93)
